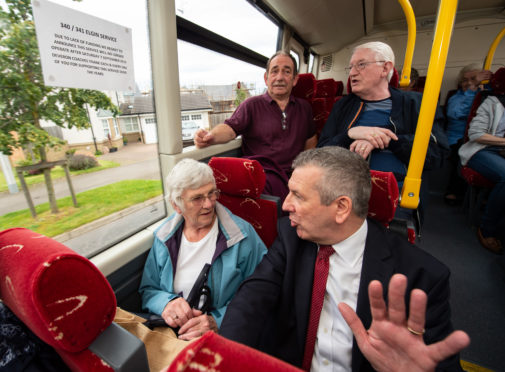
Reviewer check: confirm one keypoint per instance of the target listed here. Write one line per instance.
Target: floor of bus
(477, 283)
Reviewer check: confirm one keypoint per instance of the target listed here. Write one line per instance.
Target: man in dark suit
(273, 310)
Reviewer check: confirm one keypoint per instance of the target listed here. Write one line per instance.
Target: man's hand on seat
(177, 312)
(197, 326)
(394, 343)
(377, 136)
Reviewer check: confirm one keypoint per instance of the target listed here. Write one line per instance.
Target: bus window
(296, 57)
(235, 20)
(122, 194)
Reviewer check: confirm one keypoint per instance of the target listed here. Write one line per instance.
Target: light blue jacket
(458, 109)
(239, 249)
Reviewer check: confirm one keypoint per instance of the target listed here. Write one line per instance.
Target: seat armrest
(121, 350)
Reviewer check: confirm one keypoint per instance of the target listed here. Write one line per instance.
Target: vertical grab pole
(438, 58)
(411, 42)
(492, 49)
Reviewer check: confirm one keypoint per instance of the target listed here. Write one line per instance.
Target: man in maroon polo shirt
(275, 126)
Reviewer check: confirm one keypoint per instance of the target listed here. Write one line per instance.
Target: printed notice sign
(81, 51)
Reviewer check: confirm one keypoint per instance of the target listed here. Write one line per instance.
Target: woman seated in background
(201, 231)
(458, 109)
(485, 153)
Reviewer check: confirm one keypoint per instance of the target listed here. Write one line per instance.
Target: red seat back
(61, 296)
(384, 197)
(305, 87)
(327, 88)
(212, 352)
(241, 182)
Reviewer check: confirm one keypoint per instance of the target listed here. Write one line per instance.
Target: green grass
(93, 204)
(56, 172)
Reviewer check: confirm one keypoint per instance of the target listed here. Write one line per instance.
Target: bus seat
(395, 80)
(66, 301)
(321, 108)
(326, 88)
(384, 202)
(421, 82)
(215, 353)
(305, 87)
(384, 197)
(241, 182)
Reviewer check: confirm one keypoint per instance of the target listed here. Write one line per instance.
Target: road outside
(138, 161)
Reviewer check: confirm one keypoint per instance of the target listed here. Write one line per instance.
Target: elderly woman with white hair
(458, 109)
(201, 231)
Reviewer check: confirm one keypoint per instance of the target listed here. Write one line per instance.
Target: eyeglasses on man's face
(198, 200)
(360, 65)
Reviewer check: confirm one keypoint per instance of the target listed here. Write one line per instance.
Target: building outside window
(130, 124)
(116, 128)
(106, 129)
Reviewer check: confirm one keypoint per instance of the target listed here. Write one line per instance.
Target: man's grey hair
(382, 51)
(187, 174)
(467, 68)
(345, 173)
(283, 53)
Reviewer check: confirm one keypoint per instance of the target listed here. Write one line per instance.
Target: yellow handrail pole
(492, 49)
(411, 42)
(438, 58)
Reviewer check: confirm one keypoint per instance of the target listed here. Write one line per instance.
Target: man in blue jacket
(201, 231)
(378, 119)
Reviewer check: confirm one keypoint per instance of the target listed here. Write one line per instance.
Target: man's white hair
(382, 51)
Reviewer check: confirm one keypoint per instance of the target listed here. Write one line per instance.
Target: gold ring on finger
(417, 333)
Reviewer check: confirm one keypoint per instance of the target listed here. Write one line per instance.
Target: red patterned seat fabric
(61, 296)
(384, 197)
(216, 353)
(328, 88)
(305, 87)
(321, 108)
(241, 182)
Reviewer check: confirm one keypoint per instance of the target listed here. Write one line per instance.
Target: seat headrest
(305, 87)
(60, 295)
(498, 81)
(326, 88)
(213, 352)
(384, 196)
(238, 177)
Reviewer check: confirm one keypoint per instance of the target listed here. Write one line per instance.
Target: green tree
(24, 98)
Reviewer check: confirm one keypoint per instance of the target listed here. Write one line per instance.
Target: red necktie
(318, 288)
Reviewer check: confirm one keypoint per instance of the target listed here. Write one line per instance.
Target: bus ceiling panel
(324, 25)
(389, 12)
(330, 25)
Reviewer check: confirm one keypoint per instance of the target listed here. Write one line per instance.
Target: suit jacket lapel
(304, 277)
(375, 267)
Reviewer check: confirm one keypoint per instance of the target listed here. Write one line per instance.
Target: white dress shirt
(333, 348)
